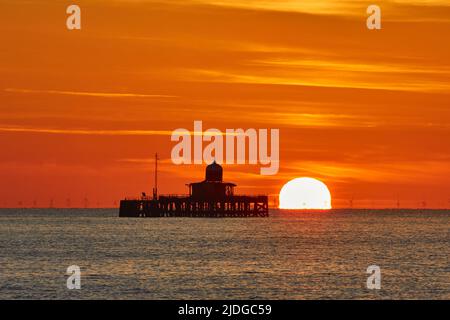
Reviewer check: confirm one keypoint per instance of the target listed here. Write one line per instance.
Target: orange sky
(83, 112)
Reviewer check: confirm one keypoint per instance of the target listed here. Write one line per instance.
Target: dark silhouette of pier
(211, 197)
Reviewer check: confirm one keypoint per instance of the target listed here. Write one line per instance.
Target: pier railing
(148, 198)
(175, 205)
(183, 196)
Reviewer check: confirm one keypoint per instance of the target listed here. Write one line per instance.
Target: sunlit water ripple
(287, 256)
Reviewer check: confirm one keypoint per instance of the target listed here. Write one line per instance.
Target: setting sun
(305, 193)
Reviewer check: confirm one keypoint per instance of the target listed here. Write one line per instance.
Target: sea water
(291, 255)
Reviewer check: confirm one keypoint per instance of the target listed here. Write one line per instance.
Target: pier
(211, 198)
(185, 206)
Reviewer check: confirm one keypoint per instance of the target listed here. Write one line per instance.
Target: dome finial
(214, 172)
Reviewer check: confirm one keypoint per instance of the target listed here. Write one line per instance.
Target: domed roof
(214, 172)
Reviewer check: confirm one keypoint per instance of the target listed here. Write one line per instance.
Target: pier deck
(235, 206)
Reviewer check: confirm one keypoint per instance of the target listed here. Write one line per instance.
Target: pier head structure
(211, 197)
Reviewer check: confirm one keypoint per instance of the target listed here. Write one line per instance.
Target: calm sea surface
(287, 256)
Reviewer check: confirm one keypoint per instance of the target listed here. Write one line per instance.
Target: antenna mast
(155, 189)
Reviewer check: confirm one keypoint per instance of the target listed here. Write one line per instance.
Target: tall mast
(155, 189)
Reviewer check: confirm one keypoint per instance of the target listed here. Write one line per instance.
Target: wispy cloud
(331, 78)
(398, 171)
(118, 132)
(398, 9)
(87, 131)
(89, 94)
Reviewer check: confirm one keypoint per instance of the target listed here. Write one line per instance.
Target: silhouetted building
(212, 187)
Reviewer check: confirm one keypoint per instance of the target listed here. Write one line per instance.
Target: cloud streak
(118, 132)
(87, 131)
(88, 94)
